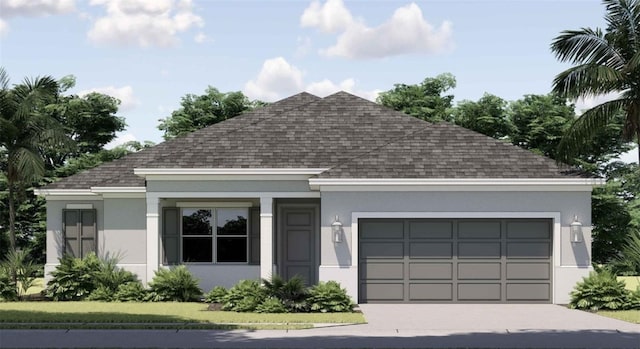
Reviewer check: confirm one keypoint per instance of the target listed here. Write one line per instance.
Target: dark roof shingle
(353, 137)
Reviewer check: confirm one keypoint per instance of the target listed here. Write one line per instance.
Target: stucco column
(153, 236)
(266, 237)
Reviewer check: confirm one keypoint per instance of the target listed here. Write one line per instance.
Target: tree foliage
(488, 116)
(26, 131)
(427, 100)
(198, 111)
(605, 62)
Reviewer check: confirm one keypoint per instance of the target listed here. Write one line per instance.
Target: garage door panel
(478, 250)
(430, 292)
(430, 230)
(382, 270)
(431, 250)
(528, 250)
(528, 292)
(382, 291)
(479, 292)
(382, 250)
(382, 230)
(528, 271)
(479, 271)
(430, 271)
(528, 230)
(455, 260)
(479, 230)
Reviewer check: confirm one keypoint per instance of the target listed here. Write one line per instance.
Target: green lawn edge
(632, 316)
(153, 313)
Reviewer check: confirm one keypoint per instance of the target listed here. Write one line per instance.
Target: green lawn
(150, 313)
(632, 316)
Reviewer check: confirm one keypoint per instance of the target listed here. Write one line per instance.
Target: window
(227, 243)
(79, 230)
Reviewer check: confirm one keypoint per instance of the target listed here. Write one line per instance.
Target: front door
(298, 232)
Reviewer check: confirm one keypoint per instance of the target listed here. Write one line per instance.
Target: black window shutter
(80, 232)
(170, 235)
(254, 235)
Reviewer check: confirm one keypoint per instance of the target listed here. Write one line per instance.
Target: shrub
(110, 276)
(8, 289)
(176, 284)
(73, 279)
(329, 297)
(292, 293)
(245, 296)
(21, 271)
(102, 294)
(600, 290)
(132, 291)
(216, 295)
(271, 305)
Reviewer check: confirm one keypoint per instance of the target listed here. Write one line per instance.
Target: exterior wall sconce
(576, 231)
(336, 229)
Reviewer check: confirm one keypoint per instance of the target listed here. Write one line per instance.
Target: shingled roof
(351, 136)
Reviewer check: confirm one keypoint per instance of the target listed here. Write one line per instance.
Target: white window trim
(214, 234)
(196, 204)
(556, 218)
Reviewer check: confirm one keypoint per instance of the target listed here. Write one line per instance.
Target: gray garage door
(455, 260)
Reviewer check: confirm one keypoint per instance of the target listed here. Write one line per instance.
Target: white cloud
(32, 8)
(405, 32)
(584, 104)
(4, 27)
(200, 38)
(278, 79)
(143, 23)
(331, 17)
(124, 94)
(120, 140)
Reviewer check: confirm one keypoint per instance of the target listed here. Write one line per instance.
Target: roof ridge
(201, 140)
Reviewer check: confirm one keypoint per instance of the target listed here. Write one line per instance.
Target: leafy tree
(488, 116)
(90, 120)
(539, 122)
(197, 112)
(25, 130)
(604, 63)
(426, 101)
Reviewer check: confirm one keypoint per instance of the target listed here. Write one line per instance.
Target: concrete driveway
(390, 326)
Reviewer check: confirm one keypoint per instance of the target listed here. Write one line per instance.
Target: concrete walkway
(390, 326)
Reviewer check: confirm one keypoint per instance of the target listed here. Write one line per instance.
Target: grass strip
(632, 316)
(142, 313)
(150, 326)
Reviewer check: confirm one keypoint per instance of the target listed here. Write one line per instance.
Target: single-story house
(394, 208)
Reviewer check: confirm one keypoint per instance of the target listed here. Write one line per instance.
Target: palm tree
(24, 131)
(604, 63)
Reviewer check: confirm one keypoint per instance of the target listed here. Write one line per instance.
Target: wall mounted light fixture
(576, 231)
(336, 229)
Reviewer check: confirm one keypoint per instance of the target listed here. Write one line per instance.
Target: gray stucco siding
(125, 230)
(343, 204)
(228, 186)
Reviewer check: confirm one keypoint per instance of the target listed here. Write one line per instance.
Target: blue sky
(150, 53)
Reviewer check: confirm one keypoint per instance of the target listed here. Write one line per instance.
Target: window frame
(213, 208)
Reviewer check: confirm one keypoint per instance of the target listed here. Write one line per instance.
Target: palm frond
(588, 80)
(586, 126)
(31, 93)
(586, 45)
(633, 65)
(624, 15)
(28, 164)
